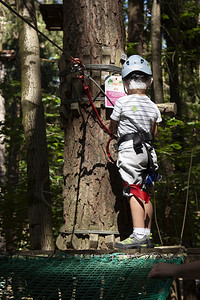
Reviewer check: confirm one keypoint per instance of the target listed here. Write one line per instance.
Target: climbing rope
(78, 66)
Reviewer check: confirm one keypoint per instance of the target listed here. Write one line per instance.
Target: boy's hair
(138, 76)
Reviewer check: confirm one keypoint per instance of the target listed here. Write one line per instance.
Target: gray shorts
(132, 166)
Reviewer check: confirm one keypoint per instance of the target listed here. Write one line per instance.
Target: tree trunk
(41, 236)
(93, 202)
(2, 159)
(198, 22)
(2, 105)
(156, 52)
(2, 137)
(136, 24)
(171, 34)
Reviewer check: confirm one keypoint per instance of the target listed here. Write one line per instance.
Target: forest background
(176, 199)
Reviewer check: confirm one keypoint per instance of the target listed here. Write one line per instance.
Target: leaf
(176, 146)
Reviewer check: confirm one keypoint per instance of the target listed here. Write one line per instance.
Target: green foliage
(55, 143)
(50, 55)
(9, 29)
(13, 204)
(13, 193)
(180, 31)
(177, 145)
(131, 49)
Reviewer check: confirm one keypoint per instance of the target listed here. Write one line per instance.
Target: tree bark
(2, 136)
(156, 51)
(2, 105)
(94, 32)
(40, 223)
(173, 39)
(136, 24)
(2, 160)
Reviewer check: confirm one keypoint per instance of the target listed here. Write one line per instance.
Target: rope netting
(66, 276)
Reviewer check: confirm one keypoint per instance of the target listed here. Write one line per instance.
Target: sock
(139, 232)
(147, 232)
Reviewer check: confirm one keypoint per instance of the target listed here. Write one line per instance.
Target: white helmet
(135, 63)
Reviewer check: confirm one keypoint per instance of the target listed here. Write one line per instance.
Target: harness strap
(136, 190)
(142, 136)
(150, 166)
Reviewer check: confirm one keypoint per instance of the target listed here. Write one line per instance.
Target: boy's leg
(138, 216)
(137, 212)
(147, 223)
(138, 238)
(148, 208)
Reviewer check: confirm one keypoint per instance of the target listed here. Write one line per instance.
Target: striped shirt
(135, 113)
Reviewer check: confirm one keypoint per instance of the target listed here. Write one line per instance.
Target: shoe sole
(119, 246)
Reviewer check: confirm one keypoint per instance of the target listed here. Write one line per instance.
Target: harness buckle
(151, 178)
(76, 65)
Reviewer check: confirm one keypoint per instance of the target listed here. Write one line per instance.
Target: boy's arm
(155, 130)
(113, 126)
(186, 271)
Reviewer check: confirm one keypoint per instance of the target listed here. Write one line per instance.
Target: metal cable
(31, 25)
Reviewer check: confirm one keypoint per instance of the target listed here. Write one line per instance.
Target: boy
(135, 119)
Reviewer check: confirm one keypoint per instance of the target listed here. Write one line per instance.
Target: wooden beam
(170, 107)
(165, 108)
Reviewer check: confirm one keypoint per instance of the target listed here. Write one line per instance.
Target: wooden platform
(191, 254)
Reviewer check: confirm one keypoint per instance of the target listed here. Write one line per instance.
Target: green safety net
(66, 276)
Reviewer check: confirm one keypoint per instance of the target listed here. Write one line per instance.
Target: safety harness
(151, 175)
(138, 139)
(136, 190)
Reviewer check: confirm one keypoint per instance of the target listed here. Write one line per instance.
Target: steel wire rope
(90, 78)
(187, 197)
(31, 25)
(71, 57)
(53, 43)
(156, 219)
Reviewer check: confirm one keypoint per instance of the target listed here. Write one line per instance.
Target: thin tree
(40, 223)
(136, 25)
(2, 105)
(2, 136)
(156, 51)
(172, 35)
